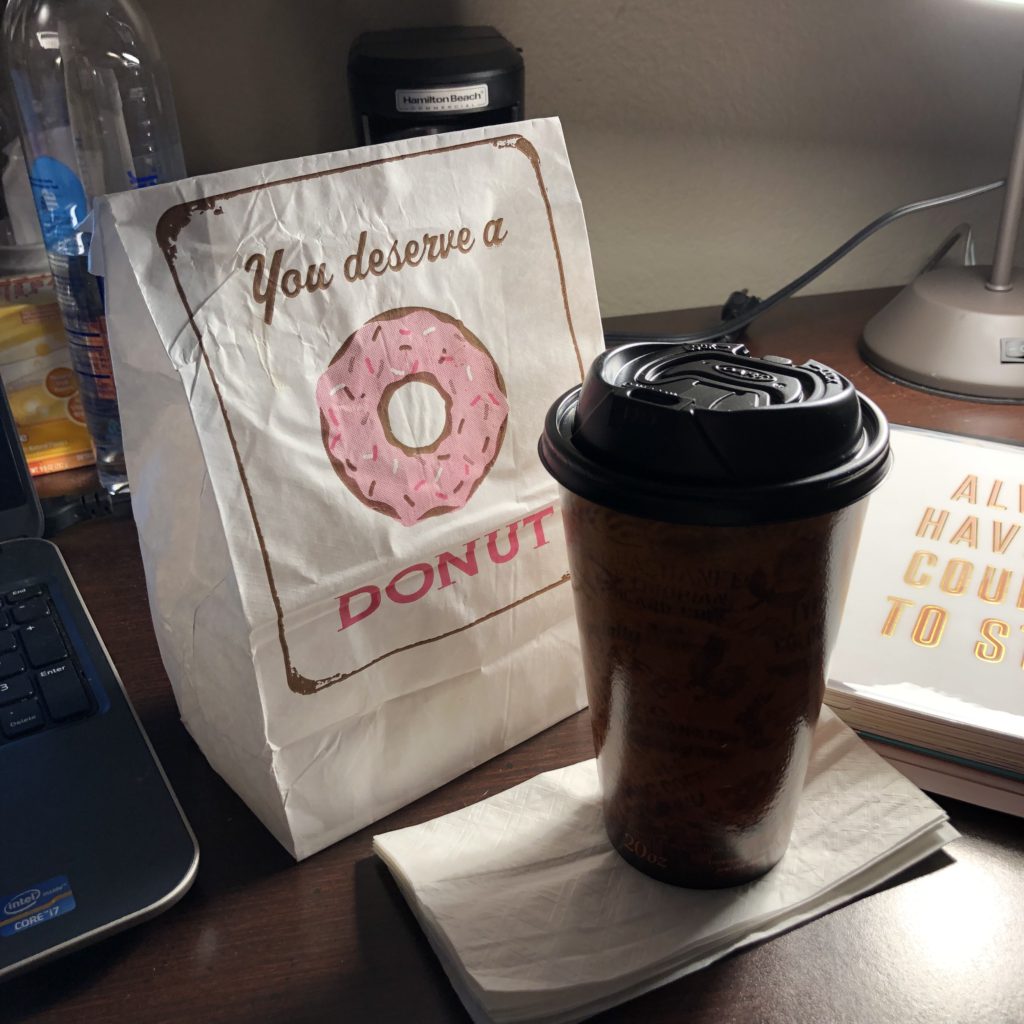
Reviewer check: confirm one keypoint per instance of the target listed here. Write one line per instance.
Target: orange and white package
(35, 366)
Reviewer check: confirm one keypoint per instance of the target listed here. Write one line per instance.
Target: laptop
(92, 839)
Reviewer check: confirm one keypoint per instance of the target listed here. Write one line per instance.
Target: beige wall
(716, 143)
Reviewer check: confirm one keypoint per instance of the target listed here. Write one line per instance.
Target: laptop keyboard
(40, 684)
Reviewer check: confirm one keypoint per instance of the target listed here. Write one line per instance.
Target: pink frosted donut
(353, 393)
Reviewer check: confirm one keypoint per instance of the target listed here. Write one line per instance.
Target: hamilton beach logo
(23, 901)
(466, 97)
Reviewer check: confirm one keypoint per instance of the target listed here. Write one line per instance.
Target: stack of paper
(536, 918)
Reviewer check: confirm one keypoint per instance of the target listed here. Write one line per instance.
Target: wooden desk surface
(261, 940)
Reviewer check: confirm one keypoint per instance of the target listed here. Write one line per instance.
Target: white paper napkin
(536, 918)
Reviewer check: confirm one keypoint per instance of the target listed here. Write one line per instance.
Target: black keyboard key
(15, 688)
(63, 691)
(7, 641)
(33, 609)
(21, 718)
(4, 620)
(20, 594)
(10, 664)
(43, 644)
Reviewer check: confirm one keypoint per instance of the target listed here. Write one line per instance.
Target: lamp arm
(1009, 222)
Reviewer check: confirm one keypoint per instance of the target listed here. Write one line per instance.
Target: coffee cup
(712, 504)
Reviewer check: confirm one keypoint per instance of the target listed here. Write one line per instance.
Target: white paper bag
(332, 375)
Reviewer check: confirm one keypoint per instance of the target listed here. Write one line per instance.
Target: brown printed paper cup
(712, 505)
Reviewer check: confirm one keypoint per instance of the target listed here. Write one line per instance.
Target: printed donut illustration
(354, 393)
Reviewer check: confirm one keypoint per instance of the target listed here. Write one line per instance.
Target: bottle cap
(708, 434)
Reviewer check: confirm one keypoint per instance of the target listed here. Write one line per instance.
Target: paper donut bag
(332, 375)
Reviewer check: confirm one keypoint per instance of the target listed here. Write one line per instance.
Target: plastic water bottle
(97, 116)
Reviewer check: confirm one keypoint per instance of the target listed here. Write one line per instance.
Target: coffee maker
(425, 81)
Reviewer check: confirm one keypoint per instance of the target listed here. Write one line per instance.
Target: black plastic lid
(708, 434)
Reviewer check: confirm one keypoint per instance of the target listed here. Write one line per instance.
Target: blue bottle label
(60, 199)
(144, 181)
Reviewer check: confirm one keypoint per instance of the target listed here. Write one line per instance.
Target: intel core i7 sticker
(36, 905)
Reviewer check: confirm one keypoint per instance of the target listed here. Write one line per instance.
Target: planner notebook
(929, 662)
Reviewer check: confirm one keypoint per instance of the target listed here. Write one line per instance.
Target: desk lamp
(960, 330)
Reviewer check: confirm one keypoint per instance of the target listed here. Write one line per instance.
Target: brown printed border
(174, 220)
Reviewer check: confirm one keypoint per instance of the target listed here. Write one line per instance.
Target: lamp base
(947, 332)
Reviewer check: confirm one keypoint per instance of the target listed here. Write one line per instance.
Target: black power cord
(747, 308)
(61, 512)
(737, 306)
